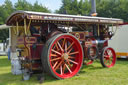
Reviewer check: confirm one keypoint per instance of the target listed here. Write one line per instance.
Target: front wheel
(108, 57)
(62, 56)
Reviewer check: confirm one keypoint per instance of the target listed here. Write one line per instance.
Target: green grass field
(94, 74)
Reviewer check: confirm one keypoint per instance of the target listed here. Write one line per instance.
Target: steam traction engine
(46, 42)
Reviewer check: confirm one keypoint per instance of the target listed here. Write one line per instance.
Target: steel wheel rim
(109, 57)
(65, 56)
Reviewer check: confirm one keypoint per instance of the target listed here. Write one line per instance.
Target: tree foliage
(105, 8)
(113, 8)
(7, 8)
(74, 7)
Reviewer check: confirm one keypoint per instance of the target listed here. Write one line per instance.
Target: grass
(93, 74)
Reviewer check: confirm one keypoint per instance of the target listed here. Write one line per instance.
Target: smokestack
(93, 10)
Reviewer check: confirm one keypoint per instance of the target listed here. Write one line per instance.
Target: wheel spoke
(55, 64)
(63, 43)
(58, 65)
(105, 56)
(109, 51)
(74, 53)
(61, 70)
(53, 55)
(57, 47)
(70, 45)
(105, 53)
(68, 63)
(111, 54)
(111, 58)
(68, 68)
(73, 61)
(56, 52)
(69, 50)
(60, 46)
(71, 57)
(55, 59)
(66, 46)
(106, 61)
(109, 61)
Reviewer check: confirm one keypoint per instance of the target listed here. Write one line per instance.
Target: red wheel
(62, 56)
(108, 57)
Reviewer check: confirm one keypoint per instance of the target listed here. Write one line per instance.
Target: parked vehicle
(41, 43)
(119, 42)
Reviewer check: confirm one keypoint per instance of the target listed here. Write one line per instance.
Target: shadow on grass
(95, 68)
(122, 62)
(4, 62)
(89, 67)
(9, 79)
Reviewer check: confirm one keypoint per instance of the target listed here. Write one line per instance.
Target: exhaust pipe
(93, 9)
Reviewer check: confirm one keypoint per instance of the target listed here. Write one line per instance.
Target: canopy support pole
(25, 28)
(17, 28)
(112, 28)
(98, 30)
(29, 24)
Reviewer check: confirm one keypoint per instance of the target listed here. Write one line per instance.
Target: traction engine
(45, 42)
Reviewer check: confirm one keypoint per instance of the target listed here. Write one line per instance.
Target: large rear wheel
(108, 57)
(62, 56)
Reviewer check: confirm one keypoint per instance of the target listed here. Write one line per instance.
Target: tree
(7, 8)
(74, 7)
(65, 8)
(105, 8)
(39, 7)
(113, 8)
(23, 5)
(86, 7)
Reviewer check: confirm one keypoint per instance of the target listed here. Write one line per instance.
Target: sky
(50, 4)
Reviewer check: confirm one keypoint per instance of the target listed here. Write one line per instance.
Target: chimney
(93, 10)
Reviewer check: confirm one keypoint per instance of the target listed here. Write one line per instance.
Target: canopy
(39, 16)
(4, 26)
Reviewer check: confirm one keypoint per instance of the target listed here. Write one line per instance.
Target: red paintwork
(88, 62)
(33, 53)
(108, 57)
(124, 23)
(79, 35)
(36, 53)
(78, 57)
(26, 40)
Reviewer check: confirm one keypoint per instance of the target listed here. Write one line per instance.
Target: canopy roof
(39, 16)
(4, 26)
